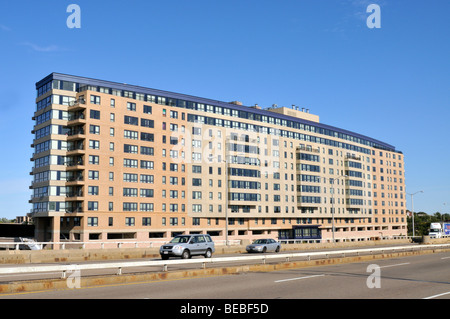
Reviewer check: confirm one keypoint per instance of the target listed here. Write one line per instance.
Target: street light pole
(412, 208)
(332, 205)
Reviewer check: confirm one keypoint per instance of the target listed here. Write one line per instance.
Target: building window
(94, 129)
(131, 120)
(93, 144)
(92, 190)
(149, 137)
(147, 164)
(133, 149)
(129, 221)
(130, 207)
(145, 192)
(94, 114)
(147, 109)
(149, 179)
(92, 205)
(95, 99)
(130, 163)
(146, 207)
(147, 123)
(94, 159)
(130, 192)
(92, 221)
(131, 106)
(93, 175)
(147, 150)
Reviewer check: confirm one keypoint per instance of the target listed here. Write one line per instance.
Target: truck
(437, 230)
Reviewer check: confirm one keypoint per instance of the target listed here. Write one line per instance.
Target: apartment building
(114, 161)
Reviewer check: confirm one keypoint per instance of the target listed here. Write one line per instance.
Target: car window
(193, 240)
(201, 239)
(180, 239)
(208, 239)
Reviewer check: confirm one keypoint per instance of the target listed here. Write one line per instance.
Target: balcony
(76, 149)
(75, 163)
(77, 105)
(75, 178)
(76, 193)
(74, 209)
(76, 118)
(75, 133)
(353, 157)
(308, 149)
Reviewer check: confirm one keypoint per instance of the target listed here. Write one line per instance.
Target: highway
(414, 277)
(7, 278)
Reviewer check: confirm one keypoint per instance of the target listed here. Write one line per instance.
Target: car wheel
(164, 257)
(185, 254)
(264, 250)
(208, 253)
(278, 249)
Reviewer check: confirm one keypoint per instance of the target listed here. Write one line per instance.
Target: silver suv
(186, 246)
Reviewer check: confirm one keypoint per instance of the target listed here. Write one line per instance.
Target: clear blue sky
(390, 83)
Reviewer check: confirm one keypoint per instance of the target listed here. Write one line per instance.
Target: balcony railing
(308, 149)
(77, 102)
(73, 117)
(352, 156)
(75, 132)
(74, 178)
(74, 194)
(74, 163)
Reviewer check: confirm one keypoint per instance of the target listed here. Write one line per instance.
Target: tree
(422, 222)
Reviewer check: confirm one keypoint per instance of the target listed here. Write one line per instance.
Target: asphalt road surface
(414, 277)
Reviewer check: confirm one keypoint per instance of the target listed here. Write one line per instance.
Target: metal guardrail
(165, 263)
(343, 240)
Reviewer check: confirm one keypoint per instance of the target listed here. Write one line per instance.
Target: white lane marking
(435, 296)
(298, 278)
(394, 265)
(445, 257)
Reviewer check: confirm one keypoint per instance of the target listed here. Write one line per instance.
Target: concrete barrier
(427, 240)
